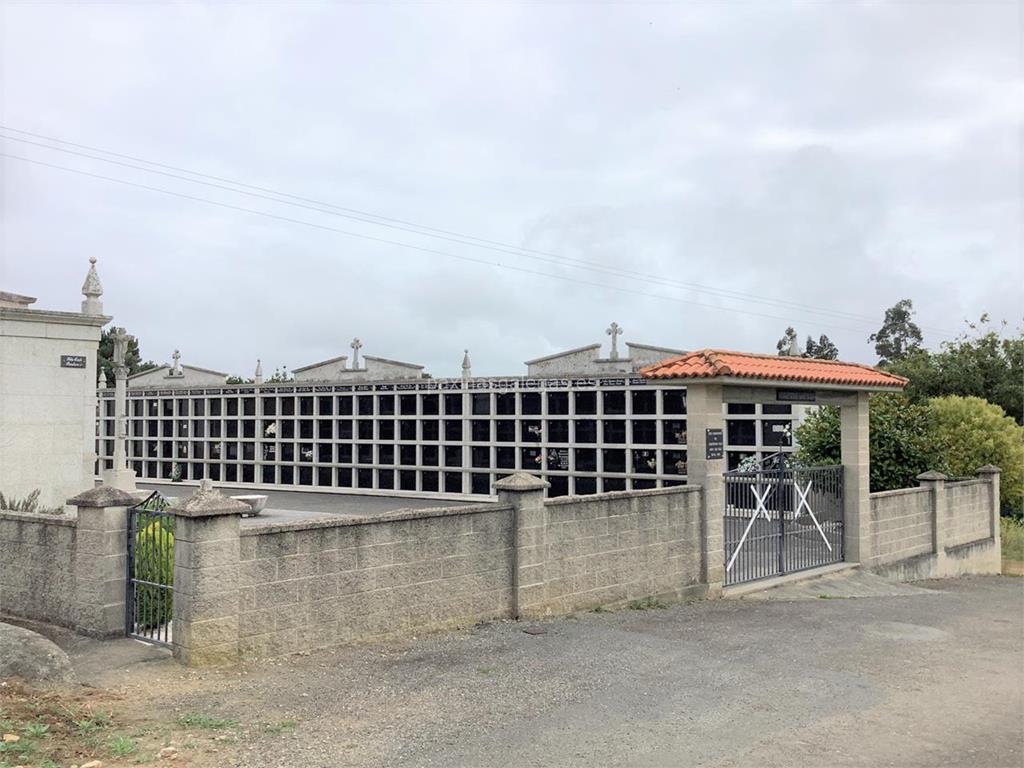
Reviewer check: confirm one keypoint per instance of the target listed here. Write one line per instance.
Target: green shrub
(154, 562)
(901, 442)
(973, 432)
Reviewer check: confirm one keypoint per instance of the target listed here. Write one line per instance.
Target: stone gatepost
(529, 547)
(936, 483)
(991, 473)
(206, 576)
(855, 450)
(704, 403)
(101, 560)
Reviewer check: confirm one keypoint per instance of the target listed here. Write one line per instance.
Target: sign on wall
(714, 444)
(72, 361)
(796, 395)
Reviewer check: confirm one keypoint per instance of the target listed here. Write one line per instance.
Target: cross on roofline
(614, 331)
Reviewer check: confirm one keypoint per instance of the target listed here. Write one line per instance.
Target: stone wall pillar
(991, 473)
(206, 577)
(936, 483)
(856, 457)
(101, 561)
(704, 403)
(529, 547)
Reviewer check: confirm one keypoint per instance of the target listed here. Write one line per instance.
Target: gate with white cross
(780, 519)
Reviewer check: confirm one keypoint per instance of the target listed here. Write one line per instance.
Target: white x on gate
(803, 503)
(761, 509)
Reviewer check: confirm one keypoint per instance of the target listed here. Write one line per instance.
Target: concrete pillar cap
(521, 481)
(988, 469)
(207, 501)
(103, 496)
(932, 475)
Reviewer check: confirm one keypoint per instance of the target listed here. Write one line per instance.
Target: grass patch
(275, 729)
(1012, 533)
(122, 746)
(646, 604)
(206, 722)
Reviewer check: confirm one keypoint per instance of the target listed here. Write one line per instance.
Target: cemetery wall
(618, 547)
(938, 530)
(322, 584)
(37, 575)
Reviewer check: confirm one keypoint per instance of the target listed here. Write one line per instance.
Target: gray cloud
(839, 156)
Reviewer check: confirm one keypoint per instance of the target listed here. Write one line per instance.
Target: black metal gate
(782, 519)
(150, 598)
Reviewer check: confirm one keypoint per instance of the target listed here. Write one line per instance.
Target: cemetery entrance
(150, 572)
(780, 519)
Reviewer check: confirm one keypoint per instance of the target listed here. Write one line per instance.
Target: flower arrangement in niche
(175, 472)
(270, 431)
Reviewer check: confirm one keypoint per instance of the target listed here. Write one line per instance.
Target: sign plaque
(796, 395)
(72, 361)
(714, 444)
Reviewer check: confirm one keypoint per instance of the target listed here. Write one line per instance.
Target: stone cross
(614, 331)
(356, 346)
(176, 368)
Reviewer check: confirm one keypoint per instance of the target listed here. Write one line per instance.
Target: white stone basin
(255, 501)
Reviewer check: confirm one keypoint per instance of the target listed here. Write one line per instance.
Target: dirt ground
(932, 677)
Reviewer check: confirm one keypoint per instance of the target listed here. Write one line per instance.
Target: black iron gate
(782, 519)
(150, 598)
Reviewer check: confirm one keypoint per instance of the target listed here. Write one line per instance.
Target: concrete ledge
(612, 495)
(899, 492)
(749, 587)
(393, 516)
(35, 517)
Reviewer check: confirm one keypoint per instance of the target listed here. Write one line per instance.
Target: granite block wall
(617, 547)
(37, 574)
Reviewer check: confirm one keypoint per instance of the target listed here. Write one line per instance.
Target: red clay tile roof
(713, 363)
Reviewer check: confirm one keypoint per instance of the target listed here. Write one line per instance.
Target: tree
(981, 362)
(133, 358)
(822, 349)
(899, 334)
(972, 433)
(902, 445)
(787, 342)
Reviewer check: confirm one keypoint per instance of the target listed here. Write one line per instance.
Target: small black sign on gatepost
(72, 361)
(714, 444)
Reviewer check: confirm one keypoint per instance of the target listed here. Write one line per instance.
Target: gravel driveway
(927, 679)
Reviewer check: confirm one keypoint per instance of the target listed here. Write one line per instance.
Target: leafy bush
(973, 432)
(29, 504)
(154, 562)
(901, 441)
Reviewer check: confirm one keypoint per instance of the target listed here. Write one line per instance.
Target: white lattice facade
(427, 436)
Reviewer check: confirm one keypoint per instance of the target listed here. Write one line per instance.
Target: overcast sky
(804, 164)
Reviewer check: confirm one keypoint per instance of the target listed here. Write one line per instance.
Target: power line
(400, 244)
(417, 229)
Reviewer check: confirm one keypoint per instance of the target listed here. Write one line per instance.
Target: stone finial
(521, 481)
(176, 366)
(794, 348)
(988, 469)
(92, 290)
(103, 496)
(614, 330)
(207, 501)
(102, 382)
(258, 377)
(931, 476)
(467, 369)
(356, 346)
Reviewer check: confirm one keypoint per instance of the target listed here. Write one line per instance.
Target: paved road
(924, 678)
